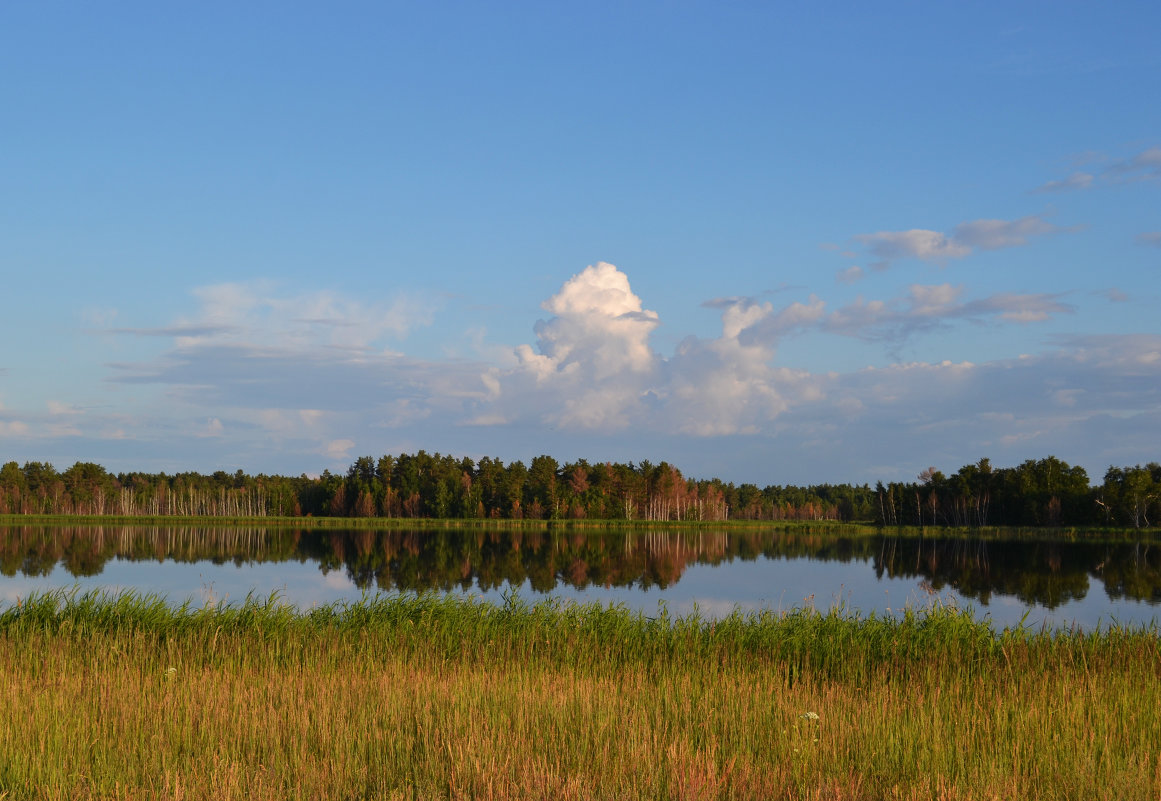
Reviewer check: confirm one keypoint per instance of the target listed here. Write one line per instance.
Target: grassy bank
(422, 697)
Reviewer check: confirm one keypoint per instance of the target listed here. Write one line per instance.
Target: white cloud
(740, 315)
(598, 320)
(708, 387)
(1152, 239)
(757, 323)
(720, 386)
(594, 357)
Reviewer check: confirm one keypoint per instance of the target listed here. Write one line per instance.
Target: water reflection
(1035, 572)
(583, 563)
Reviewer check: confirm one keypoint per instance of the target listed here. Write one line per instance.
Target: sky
(776, 243)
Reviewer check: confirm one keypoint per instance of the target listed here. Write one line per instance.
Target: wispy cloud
(212, 428)
(61, 409)
(1142, 166)
(1145, 165)
(255, 314)
(851, 275)
(13, 428)
(917, 243)
(1150, 239)
(926, 307)
(1075, 182)
(339, 449)
(999, 234)
(939, 248)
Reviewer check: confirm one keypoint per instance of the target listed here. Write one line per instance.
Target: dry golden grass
(283, 707)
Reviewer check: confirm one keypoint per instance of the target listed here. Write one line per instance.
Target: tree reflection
(1040, 572)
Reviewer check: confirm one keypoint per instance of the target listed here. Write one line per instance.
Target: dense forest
(1045, 492)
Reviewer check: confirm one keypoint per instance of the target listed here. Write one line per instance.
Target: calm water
(1052, 583)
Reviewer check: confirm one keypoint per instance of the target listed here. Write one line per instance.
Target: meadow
(429, 696)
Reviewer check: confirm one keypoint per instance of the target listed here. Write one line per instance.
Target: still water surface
(1042, 582)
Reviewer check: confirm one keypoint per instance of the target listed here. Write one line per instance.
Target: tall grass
(424, 696)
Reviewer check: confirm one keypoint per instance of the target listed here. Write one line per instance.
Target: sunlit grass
(124, 696)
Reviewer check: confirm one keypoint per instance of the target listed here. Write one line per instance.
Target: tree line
(1045, 492)
(1039, 492)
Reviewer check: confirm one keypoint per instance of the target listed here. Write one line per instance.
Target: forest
(1045, 492)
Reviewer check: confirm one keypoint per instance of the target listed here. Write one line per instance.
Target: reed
(425, 696)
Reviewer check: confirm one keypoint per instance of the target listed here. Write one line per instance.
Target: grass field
(434, 697)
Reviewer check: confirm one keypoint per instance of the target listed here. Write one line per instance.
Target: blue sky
(776, 243)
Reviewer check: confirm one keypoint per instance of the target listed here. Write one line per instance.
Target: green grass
(425, 696)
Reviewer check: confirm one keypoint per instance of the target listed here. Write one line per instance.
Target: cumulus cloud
(594, 369)
(939, 248)
(729, 385)
(594, 353)
(597, 319)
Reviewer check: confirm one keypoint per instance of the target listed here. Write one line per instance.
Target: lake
(1040, 581)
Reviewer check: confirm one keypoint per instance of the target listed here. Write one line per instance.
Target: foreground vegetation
(433, 697)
